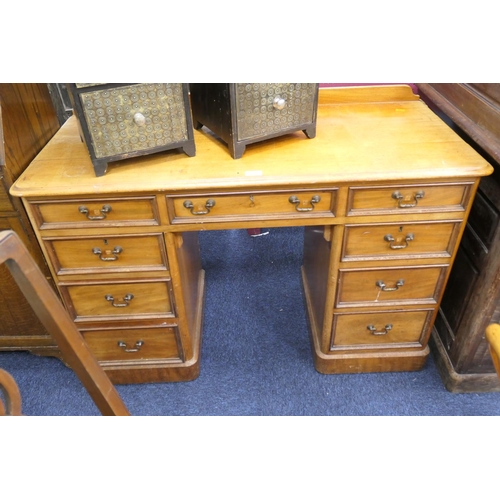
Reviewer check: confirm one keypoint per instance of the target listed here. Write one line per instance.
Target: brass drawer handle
(380, 332)
(295, 200)
(104, 211)
(208, 205)
(384, 288)
(390, 239)
(417, 196)
(117, 250)
(137, 347)
(124, 303)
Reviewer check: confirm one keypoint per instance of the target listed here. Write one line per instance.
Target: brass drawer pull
(124, 303)
(417, 196)
(208, 205)
(117, 250)
(296, 201)
(137, 347)
(381, 332)
(384, 288)
(104, 211)
(390, 239)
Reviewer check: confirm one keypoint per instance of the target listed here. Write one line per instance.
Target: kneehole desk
(383, 191)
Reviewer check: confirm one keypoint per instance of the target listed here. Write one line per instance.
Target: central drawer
(117, 300)
(107, 254)
(253, 206)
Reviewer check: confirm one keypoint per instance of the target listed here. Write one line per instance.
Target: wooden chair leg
(493, 338)
(11, 395)
(56, 320)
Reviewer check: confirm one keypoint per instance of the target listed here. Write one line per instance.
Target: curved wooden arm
(12, 397)
(56, 320)
(493, 338)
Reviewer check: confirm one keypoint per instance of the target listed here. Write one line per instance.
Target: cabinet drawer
(107, 254)
(96, 213)
(105, 301)
(257, 114)
(254, 206)
(408, 198)
(375, 329)
(133, 344)
(384, 286)
(134, 118)
(400, 241)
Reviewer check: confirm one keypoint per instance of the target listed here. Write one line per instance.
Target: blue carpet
(256, 357)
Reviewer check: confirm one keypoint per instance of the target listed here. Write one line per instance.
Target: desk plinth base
(368, 363)
(166, 372)
(371, 362)
(154, 372)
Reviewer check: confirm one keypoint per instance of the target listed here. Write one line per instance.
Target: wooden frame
(54, 317)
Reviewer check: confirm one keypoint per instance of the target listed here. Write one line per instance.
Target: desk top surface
(363, 134)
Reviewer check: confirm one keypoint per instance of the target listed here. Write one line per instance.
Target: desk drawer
(133, 344)
(254, 206)
(381, 329)
(107, 254)
(385, 286)
(400, 241)
(117, 300)
(81, 213)
(408, 199)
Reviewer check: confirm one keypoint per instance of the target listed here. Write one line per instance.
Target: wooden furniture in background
(384, 191)
(27, 122)
(48, 308)
(61, 101)
(472, 299)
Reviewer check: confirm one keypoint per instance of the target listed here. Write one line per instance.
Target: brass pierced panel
(258, 114)
(135, 117)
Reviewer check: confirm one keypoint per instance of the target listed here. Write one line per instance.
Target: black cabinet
(244, 113)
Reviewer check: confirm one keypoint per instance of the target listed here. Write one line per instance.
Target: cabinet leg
(310, 131)
(100, 167)
(189, 149)
(237, 150)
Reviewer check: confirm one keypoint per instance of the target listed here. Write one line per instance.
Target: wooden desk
(383, 192)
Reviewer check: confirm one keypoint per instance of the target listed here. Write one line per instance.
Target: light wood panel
(355, 141)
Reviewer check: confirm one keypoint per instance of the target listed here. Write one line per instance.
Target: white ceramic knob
(139, 119)
(279, 103)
